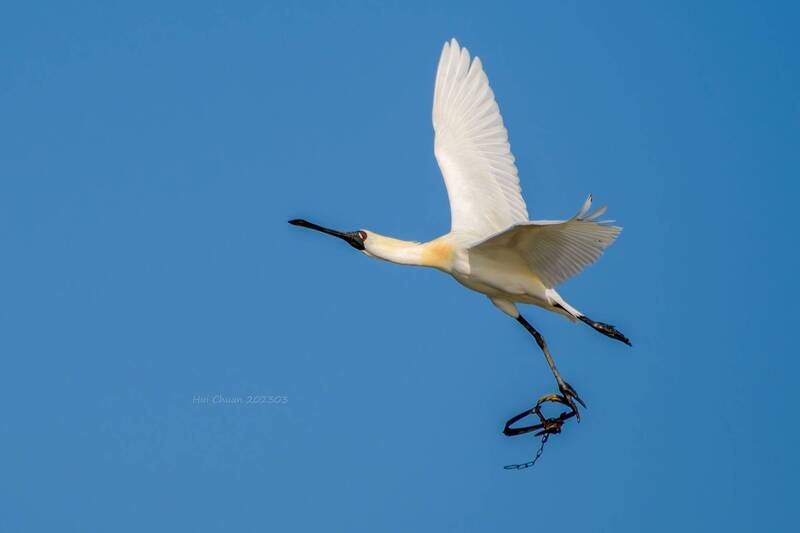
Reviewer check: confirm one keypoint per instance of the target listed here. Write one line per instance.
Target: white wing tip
(581, 215)
(597, 213)
(454, 47)
(585, 207)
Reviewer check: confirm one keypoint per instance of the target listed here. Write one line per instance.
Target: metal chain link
(522, 466)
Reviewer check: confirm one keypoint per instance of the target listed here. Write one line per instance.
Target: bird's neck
(437, 253)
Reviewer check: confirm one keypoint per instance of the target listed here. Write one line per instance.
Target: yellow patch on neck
(437, 254)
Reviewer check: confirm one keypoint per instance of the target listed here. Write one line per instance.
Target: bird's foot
(568, 397)
(606, 329)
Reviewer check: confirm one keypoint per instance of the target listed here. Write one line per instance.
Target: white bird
(492, 247)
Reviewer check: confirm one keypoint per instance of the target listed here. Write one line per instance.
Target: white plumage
(489, 216)
(472, 149)
(556, 250)
(492, 247)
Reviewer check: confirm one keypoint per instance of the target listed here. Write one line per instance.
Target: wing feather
(557, 250)
(472, 148)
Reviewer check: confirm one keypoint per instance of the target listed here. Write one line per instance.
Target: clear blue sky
(150, 156)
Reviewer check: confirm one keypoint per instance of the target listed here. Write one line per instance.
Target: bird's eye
(363, 235)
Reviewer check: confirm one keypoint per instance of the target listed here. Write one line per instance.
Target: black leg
(606, 329)
(566, 389)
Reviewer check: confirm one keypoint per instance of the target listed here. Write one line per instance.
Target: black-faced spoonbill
(492, 247)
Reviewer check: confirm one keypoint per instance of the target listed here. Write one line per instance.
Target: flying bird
(492, 247)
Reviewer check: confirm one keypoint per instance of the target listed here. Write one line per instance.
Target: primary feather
(472, 149)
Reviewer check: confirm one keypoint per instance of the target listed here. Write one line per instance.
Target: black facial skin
(353, 238)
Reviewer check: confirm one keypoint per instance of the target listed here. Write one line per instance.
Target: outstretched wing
(472, 148)
(556, 251)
